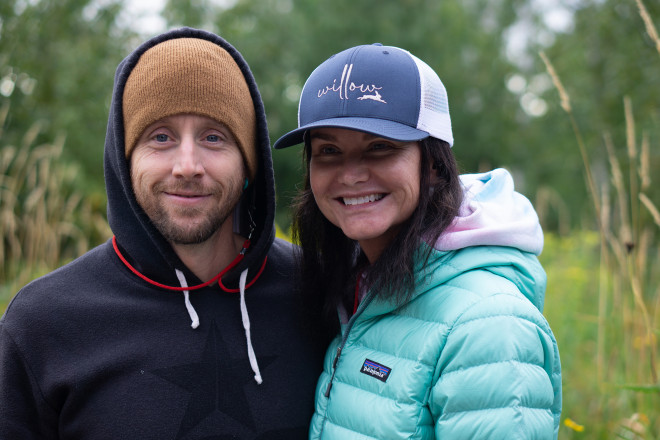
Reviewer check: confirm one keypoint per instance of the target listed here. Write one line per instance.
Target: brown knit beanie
(190, 75)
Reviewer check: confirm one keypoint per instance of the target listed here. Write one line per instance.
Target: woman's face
(364, 184)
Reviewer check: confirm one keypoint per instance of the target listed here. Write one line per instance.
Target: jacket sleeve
(24, 414)
(499, 374)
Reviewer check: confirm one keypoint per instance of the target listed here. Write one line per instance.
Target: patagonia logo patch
(374, 369)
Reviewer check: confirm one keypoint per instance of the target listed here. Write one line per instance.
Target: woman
(434, 275)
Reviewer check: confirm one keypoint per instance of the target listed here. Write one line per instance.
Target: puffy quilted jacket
(470, 356)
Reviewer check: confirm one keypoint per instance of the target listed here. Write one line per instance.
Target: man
(184, 325)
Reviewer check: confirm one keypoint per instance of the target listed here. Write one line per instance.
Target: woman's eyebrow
(323, 136)
(330, 137)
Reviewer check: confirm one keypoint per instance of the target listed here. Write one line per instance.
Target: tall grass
(44, 219)
(622, 387)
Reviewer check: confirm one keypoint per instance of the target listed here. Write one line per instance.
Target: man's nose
(188, 162)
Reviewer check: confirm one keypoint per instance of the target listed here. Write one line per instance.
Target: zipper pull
(334, 369)
(334, 363)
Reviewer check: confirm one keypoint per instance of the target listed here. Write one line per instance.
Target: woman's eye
(326, 150)
(161, 137)
(213, 138)
(380, 146)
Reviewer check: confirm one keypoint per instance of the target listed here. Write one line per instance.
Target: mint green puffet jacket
(470, 356)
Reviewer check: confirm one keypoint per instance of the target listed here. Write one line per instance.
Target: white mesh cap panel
(434, 106)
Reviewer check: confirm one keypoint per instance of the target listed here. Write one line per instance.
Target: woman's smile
(364, 184)
(361, 200)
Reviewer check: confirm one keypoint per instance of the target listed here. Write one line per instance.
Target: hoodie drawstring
(215, 279)
(218, 278)
(244, 316)
(186, 294)
(246, 326)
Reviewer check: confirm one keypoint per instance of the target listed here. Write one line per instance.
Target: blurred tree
(192, 13)
(57, 59)
(57, 62)
(603, 57)
(284, 40)
(606, 56)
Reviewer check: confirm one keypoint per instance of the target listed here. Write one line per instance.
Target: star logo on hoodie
(216, 384)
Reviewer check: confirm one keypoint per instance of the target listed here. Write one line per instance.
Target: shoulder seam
(27, 365)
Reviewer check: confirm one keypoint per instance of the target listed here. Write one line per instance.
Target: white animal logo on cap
(376, 97)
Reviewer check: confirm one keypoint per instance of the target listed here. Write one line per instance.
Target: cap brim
(378, 127)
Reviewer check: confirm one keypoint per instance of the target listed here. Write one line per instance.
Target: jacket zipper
(363, 305)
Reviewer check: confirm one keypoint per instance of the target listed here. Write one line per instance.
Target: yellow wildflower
(574, 426)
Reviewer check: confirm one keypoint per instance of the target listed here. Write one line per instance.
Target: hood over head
(140, 242)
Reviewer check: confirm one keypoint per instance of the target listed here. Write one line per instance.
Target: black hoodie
(93, 351)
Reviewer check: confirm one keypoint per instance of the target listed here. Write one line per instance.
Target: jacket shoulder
(499, 355)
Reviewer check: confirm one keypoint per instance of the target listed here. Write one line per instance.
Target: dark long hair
(330, 262)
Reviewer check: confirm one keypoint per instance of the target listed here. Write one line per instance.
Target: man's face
(187, 174)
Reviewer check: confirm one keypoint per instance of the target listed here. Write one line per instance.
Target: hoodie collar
(493, 213)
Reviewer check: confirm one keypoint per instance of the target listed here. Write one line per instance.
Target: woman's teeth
(361, 200)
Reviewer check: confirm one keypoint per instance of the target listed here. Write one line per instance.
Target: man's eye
(161, 137)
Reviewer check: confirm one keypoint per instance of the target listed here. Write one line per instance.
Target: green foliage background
(61, 56)
(57, 62)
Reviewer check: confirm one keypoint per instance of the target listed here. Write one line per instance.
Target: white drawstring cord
(244, 315)
(246, 325)
(186, 294)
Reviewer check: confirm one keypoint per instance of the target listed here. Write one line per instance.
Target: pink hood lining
(493, 213)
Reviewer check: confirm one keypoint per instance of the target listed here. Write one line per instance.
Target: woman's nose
(353, 171)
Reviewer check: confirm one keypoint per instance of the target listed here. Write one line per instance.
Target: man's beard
(193, 232)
